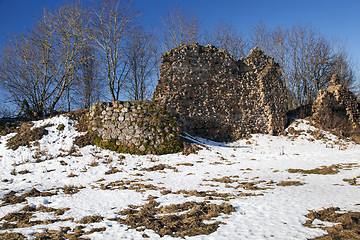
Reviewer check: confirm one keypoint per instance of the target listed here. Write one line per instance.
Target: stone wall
(336, 109)
(218, 98)
(135, 127)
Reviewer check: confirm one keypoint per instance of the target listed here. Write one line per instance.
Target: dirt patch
(176, 220)
(290, 183)
(12, 198)
(26, 135)
(346, 225)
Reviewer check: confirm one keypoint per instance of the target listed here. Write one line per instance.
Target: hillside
(256, 188)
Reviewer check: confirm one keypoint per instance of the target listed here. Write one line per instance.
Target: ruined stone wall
(336, 109)
(219, 98)
(135, 127)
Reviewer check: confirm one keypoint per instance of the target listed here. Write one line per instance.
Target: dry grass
(347, 225)
(71, 189)
(177, 220)
(26, 135)
(159, 167)
(94, 164)
(113, 170)
(76, 234)
(185, 164)
(90, 219)
(290, 183)
(12, 198)
(325, 170)
(352, 181)
(71, 175)
(11, 236)
(22, 218)
(190, 148)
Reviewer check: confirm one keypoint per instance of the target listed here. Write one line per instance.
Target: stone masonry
(337, 110)
(134, 127)
(218, 98)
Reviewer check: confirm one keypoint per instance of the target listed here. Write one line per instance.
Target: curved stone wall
(141, 127)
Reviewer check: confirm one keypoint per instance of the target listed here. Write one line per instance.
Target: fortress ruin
(219, 98)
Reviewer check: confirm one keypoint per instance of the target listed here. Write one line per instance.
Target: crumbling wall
(218, 98)
(135, 127)
(336, 109)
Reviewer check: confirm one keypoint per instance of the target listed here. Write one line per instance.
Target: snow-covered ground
(253, 166)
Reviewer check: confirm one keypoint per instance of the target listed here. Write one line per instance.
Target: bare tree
(71, 24)
(89, 85)
(259, 36)
(311, 60)
(112, 22)
(27, 71)
(179, 27)
(38, 67)
(224, 36)
(307, 58)
(344, 66)
(141, 54)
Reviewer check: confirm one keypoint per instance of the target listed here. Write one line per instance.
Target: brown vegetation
(346, 225)
(290, 183)
(12, 198)
(325, 170)
(177, 220)
(26, 135)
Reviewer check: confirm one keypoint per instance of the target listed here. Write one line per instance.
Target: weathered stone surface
(218, 98)
(337, 110)
(131, 130)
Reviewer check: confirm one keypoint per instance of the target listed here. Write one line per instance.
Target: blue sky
(334, 18)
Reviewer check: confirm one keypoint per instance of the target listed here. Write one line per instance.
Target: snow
(276, 212)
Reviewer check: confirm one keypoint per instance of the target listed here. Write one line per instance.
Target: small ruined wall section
(336, 109)
(219, 98)
(134, 127)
